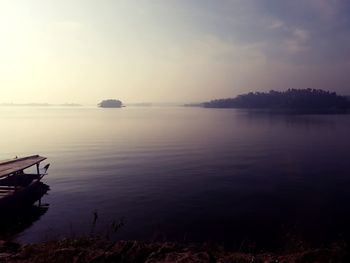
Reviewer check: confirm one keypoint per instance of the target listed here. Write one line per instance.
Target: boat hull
(24, 197)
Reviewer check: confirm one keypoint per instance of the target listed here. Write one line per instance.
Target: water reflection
(305, 121)
(189, 174)
(17, 219)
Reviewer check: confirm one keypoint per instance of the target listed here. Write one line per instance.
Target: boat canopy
(19, 164)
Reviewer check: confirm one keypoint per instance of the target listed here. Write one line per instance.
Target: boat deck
(15, 165)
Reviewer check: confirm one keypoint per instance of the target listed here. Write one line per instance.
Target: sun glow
(85, 51)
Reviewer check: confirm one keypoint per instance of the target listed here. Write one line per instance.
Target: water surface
(236, 177)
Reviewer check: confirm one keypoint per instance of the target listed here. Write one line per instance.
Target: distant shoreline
(281, 111)
(291, 101)
(39, 105)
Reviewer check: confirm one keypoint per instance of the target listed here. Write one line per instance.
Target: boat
(17, 188)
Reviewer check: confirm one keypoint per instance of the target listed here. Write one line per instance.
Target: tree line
(289, 99)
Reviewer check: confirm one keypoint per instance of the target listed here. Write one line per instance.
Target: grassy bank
(93, 250)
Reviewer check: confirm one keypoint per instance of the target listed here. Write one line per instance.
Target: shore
(93, 250)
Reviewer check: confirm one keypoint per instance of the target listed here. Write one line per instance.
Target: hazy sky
(170, 50)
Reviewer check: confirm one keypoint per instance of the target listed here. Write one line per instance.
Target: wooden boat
(18, 188)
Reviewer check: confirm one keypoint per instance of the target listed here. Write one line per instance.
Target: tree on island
(294, 99)
(110, 104)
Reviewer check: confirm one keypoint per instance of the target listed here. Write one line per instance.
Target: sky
(83, 51)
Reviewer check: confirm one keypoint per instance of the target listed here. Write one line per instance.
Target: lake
(248, 180)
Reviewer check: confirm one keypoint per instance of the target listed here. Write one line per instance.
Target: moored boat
(18, 188)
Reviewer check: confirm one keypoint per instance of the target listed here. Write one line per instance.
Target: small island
(292, 99)
(111, 103)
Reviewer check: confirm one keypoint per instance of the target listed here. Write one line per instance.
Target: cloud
(276, 24)
(298, 42)
(327, 9)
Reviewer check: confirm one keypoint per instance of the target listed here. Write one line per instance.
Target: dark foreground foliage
(93, 250)
(294, 99)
